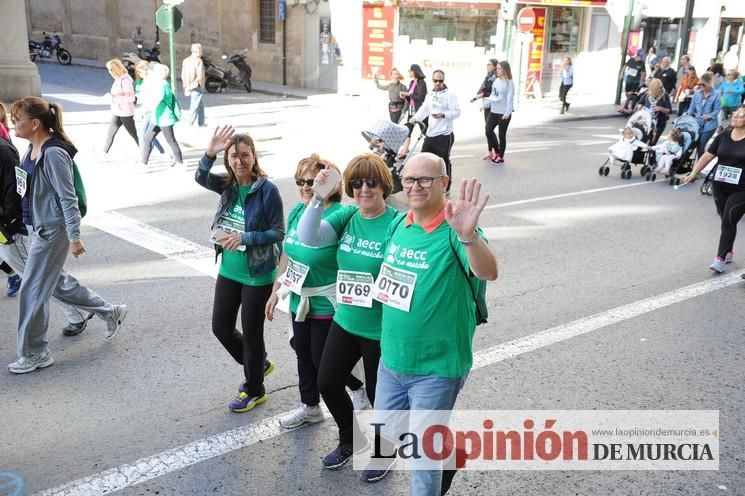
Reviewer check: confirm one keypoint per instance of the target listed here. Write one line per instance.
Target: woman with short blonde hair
(122, 95)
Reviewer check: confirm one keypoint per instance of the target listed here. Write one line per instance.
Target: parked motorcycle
(217, 78)
(130, 59)
(47, 47)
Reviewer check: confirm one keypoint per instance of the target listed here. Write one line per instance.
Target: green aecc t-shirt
(322, 262)
(234, 264)
(360, 250)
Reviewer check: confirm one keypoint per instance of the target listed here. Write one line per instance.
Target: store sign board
(525, 20)
(377, 40)
(535, 58)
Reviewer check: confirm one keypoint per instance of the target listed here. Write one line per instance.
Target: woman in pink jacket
(122, 103)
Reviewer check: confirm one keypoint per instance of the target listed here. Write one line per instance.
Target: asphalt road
(571, 244)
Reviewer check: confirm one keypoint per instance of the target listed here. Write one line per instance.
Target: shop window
(565, 24)
(267, 21)
(599, 31)
(476, 25)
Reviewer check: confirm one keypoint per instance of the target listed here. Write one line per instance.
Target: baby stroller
(385, 139)
(688, 127)
(631, 149)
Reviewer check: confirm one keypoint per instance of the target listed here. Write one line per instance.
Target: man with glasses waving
(429, 314)
(439, 110)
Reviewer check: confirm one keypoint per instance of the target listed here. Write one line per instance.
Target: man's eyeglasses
(424, 181)
(438, 80)
(357, 182)
(302, 182)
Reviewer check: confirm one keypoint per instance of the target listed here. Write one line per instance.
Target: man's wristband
(469, 242)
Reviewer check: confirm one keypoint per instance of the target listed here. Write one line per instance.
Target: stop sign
(525, 20)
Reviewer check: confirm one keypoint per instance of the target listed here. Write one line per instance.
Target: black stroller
(688, 127)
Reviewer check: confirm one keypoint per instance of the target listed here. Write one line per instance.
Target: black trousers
(730, 205)
(246, 348)
(563, 90)
(497, 144)
(395, 111)
(114, 125)
(309, 339)
(147, 143)
(343, 350)
(441, 146)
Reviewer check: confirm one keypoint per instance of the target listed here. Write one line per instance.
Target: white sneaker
(24, 365)
(303, 415)
(115, 321)
(729, 257)
(359, 399)
(718, 265)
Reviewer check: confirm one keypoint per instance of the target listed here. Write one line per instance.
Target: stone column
(18, 75)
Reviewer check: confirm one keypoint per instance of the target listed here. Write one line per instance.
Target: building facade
(294, 50)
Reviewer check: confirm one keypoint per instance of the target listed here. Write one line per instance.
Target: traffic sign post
(525, 20)
(169, 19)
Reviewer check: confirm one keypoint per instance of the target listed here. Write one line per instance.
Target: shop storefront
(564, 28)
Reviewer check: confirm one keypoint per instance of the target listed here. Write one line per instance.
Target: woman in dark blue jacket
(248, 229)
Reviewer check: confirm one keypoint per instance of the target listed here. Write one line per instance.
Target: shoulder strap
(479, 292)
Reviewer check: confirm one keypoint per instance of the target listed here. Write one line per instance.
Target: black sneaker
(339, 457)
(447, 481)
(374, 475)
(73, 329)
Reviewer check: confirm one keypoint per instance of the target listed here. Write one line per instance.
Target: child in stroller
(385, 139)
(689, 131)
(631, 148)
(665, 153)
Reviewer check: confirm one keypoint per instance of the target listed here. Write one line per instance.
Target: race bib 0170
(728, 174)
(354, 288)
(294, 276)
(394, 287)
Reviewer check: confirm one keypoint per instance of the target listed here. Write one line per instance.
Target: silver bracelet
(469, 242)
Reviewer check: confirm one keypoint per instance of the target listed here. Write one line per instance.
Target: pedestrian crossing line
(151, 467)
(568, 195)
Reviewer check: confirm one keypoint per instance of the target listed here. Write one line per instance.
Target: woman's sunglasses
(357, 182)
(303, 182)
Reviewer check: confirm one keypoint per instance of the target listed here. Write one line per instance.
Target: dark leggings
(147, 143)
(114, 125)
(6, 268)
(246, 348)
(563, 90)
(343, 350)
(395, 115)
(730, 205)
(309, 338)
(497, 144)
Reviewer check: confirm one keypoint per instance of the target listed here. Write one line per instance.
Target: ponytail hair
(49, 114)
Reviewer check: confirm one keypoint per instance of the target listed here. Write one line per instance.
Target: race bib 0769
(354, 288)
(728, 174)
(395, 287)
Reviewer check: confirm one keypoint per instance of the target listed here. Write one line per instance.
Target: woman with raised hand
(247, 230)
(482, 94)
(357, 230)
(308, 275)
(52, 218)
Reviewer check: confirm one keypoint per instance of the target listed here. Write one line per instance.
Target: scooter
(218, 79)
(50, 45)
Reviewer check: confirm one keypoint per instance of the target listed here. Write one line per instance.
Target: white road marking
(566, 195)
(148, 468)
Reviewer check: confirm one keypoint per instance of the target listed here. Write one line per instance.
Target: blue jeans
(196, 107)
(396, 391)
(147, 124)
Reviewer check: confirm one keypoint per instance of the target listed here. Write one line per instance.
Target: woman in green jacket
(165, 112)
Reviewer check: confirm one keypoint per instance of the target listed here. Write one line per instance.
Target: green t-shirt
(234, 264)
(322, 262)
(435, 336)
(360, 250)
